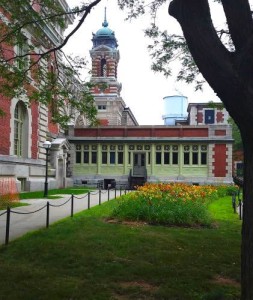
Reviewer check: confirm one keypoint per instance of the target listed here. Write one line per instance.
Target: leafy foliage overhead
(33, 63)
(167, 47)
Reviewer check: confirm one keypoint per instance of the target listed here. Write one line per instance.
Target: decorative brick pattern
(220, 160)
(219, 117)
(220, 132)
(5, 126)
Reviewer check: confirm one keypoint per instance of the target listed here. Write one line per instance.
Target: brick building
(194, 148)
(26, 126)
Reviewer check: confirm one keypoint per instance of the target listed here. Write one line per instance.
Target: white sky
(142, 89)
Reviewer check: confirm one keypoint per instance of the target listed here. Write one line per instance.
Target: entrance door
(139, 168)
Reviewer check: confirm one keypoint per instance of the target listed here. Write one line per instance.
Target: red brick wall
(52, 127)
(220, 160)
(143, 131)
(220, 132)
(35, 129)
(103, 122)
(200, 117)
(219, 117)
(5, 128)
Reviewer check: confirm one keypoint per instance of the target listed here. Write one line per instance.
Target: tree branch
(208, 52)
(239, 20)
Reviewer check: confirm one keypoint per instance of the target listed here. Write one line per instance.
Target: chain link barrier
(8, 211)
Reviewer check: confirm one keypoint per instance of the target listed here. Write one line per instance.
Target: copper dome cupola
(105, 36)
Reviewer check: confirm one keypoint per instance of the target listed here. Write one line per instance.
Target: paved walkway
(23, 221)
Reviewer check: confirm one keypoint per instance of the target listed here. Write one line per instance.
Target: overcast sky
(142, 90)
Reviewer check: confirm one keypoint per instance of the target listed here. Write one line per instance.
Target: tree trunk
(247, 226)
(230, 76)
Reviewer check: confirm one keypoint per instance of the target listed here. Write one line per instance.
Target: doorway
(139, 167)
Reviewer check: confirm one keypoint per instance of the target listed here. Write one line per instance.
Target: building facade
(26, 125)
(194, 145)
(106, 89)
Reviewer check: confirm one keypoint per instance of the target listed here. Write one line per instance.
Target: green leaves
(33, 65)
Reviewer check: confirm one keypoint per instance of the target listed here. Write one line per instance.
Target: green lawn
(52, 193)
(87, 257)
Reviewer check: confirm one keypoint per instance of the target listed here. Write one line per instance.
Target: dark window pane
(78, 157)
(112, 157)
(120, 158)
(209, 116)
(175, 158)
(195, 158)
(203, 158)
(143, 163)
(93, 157)
(186, 158)
(129, 158)
(85, 157)
(149, 157)
(104, 157)
(158, 159)
(136, 159)
(166, 158)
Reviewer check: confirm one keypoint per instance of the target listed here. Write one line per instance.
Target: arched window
(103, 72)
(20, 131)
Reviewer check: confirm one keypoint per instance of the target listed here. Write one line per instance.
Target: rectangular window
(158, 158)
(112, 158)
(85, 157)
(129, 158)
(22, 48)
(209, 116)
(195, 158)
(101, 107)
(104, 157)
(166, 158)
(203, 158)
(78, 157)
(149, 158)
(93, 157)
(120, 158)
(175, 158)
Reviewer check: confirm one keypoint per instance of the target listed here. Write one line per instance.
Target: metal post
(234, 202)
(7, 233)
(46, 176)
(115, 195)
(47, 222)
(108, 197)
(240, 209)
(88, 200)
(99, 201)
(72, 205)
(120, 190)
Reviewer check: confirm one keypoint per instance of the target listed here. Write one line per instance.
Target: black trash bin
(109, 184)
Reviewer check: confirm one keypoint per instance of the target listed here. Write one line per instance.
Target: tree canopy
(34, 65)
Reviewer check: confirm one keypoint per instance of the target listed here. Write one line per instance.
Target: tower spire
(105, 23)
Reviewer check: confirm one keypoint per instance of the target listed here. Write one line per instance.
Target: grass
(87, 257)
(11, 205)
(52, 193)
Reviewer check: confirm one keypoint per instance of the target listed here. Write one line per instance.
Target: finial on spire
(105, 23)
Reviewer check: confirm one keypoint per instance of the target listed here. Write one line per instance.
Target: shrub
(227, 190)
(167, 204)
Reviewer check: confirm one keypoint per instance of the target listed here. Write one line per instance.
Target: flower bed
(168, 204)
